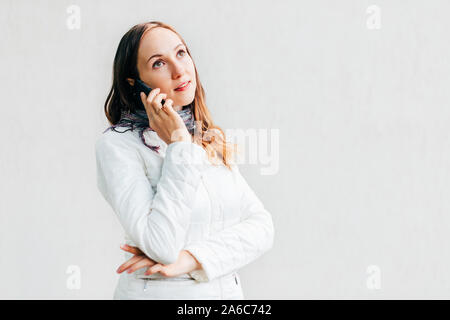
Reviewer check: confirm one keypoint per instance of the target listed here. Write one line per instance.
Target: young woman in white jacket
(190, 218)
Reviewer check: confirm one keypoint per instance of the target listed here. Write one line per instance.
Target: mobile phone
(140, 86)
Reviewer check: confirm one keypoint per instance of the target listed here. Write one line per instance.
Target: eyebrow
(159, 55)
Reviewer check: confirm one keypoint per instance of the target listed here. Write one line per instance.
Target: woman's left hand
(184, 264)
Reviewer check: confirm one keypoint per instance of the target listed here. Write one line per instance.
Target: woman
(190, 218)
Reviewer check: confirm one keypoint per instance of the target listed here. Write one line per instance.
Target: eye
(157, 61)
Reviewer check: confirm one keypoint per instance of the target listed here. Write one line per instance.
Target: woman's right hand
(164, 119)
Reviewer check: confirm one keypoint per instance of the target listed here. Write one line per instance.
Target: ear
(130, 81)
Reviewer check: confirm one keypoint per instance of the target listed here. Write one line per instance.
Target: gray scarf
(139, 120)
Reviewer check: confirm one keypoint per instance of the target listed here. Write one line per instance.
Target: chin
(187, 100)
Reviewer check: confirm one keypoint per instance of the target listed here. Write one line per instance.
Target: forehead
(158, 40)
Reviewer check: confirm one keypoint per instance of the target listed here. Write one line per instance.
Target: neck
(177, 108)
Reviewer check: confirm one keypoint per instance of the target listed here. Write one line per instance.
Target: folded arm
(157, 222)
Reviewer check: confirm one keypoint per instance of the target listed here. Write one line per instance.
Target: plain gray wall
(360, 98)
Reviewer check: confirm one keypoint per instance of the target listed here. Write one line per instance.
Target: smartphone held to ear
(140, 86)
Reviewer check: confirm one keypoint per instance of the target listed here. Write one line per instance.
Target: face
(164, 63)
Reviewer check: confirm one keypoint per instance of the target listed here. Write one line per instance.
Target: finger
(150, 98)
(124, 266)
(141, 264)
(157, 102)
(144, 99)
(154, 269)
(148, 107)
(133, 250)
(152, 95)
(168, 270)
(168, 106)
(129, 263)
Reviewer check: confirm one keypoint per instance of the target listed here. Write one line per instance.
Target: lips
(182, 86)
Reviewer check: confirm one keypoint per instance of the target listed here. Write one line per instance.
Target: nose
(177, 70)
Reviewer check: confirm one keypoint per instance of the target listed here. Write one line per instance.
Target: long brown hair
(121, 95)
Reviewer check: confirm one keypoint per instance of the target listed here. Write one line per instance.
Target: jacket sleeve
(156, 221)
(238, 245)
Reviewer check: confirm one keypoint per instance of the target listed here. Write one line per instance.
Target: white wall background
(363, 116)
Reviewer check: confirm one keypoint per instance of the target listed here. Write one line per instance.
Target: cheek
(158, 80)
(190, 66)
(161, 81)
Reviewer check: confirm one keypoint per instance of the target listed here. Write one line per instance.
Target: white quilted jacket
(178, 200)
